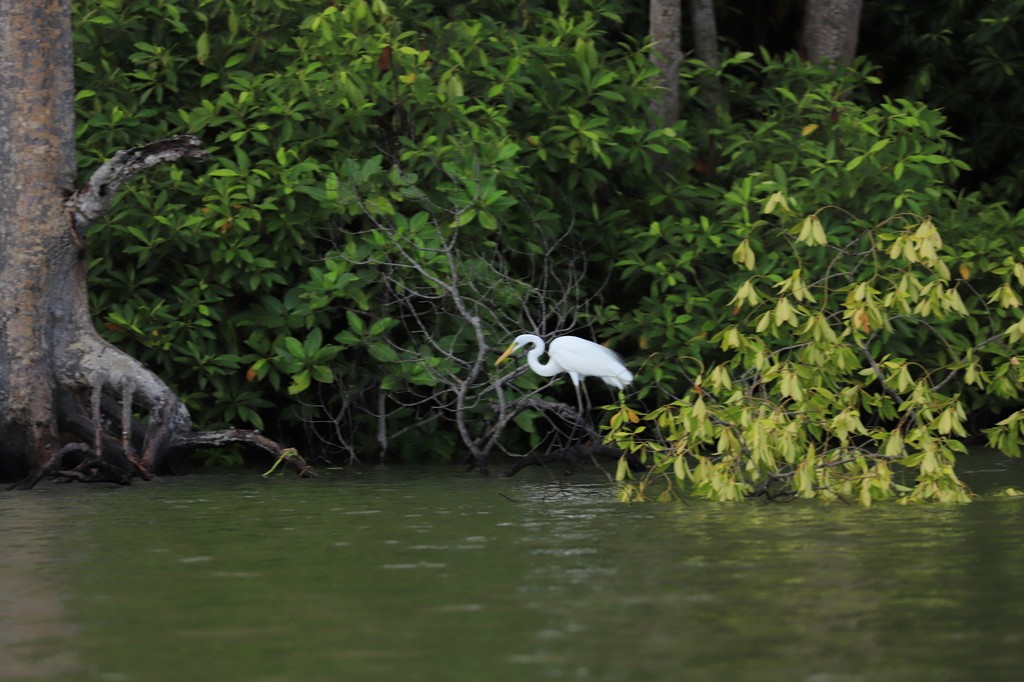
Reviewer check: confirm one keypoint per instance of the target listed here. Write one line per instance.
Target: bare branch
(225, 437)
(91, 201)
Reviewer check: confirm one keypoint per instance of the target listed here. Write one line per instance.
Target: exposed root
(84, 465)
(127, 391)
(95, 454)
(161, 432)
(116, 408)
(107, 407)
(573, 426)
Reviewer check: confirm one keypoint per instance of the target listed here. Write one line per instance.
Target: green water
(434, 574)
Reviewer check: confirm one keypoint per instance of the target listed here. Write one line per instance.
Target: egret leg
(582, 406)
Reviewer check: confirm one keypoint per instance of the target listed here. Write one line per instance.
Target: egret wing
(587, 358)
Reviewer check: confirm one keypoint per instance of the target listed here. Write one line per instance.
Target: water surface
(416, 574)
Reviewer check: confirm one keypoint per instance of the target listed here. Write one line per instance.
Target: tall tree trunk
(69, 401)
(37, 166)
(666, 33)
(830, 30)
(705, 46)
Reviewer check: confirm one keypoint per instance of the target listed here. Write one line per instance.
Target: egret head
(517, 343)
(508, 351)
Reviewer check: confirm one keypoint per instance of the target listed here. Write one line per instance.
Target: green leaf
(788, 94)
(322, 373)
(294, 346)
(355, 323)
(383, 352)
(879, 145)
(382, 325)
(300, 382)
(487, 220)
(203, 47)
(507, 152)
(313, 342)
(526, 421)
(465, 217)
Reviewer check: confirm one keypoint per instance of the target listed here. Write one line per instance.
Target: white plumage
(577, 357)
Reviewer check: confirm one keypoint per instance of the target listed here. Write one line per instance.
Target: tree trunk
(70, 402)
(830, 30)
(37, 261)
(705, 46)
(666, 33)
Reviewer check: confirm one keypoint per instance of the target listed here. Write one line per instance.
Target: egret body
(577, 357)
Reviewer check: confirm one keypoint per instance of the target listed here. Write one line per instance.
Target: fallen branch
(225, 437)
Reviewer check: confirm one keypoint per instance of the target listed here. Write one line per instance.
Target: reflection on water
(35, 626)
(406, 574)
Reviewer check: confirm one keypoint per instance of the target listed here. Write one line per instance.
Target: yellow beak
(504, 356)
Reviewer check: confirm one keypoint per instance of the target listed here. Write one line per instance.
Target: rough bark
(71, 404)
(37, 165)
(830, 30)
(666, 34)
(705, 46)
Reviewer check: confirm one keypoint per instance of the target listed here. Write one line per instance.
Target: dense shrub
(398, 188)
(868, 307)
(803, 132)
(373, 164)
(965, 58)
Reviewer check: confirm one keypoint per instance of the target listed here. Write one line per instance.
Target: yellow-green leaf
(203, 47)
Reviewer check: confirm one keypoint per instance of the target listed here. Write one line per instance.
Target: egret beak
(504, 356)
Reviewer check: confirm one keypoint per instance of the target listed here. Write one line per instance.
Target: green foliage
(352, 146)
(799, 136)
(822, 389)
(398, 188)
(807, 362)
(965, 58)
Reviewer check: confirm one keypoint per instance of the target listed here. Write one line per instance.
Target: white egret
(577, 357)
